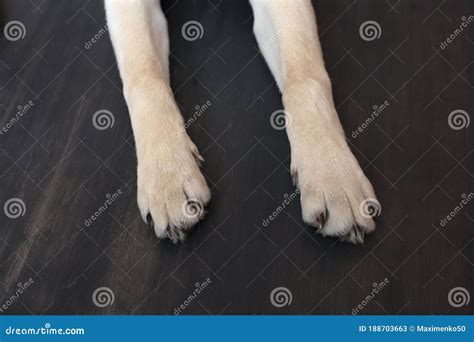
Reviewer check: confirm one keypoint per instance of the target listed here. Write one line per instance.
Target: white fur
(331, 181)
(168, 174)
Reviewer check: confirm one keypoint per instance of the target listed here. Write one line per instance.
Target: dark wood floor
(63, 169)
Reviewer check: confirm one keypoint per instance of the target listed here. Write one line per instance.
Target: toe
(192, 210)
(320, 220)
(176, 234)
(355, 235)
(160, 218)
(143, 203)
(340, 218)
(175, 202)
(314, 209)
(365, 210)
(196, 188)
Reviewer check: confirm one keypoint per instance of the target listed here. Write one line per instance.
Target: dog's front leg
(335, 193)
(171, 190)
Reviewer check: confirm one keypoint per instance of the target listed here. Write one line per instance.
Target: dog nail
(359, 234)
(320, 220)
(294, 177)
(149, 221)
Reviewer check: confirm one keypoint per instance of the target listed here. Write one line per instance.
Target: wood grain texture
(64, 169)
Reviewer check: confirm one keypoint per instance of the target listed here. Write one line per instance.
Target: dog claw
(294, 177)
(149, 221)
(355, 236)
(197, 156)
(320, 220)
(176, 234)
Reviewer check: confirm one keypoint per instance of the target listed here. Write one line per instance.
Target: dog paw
(172, 192)
(336, 197)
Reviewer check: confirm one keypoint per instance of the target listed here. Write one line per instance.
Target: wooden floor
(63, 169)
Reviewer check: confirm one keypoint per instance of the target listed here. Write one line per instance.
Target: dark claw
(355, 236)
(320, 220)
(359, 234)
(175, 234)
(149, 221)
(294, 177)
(325, 214)
(199, 160)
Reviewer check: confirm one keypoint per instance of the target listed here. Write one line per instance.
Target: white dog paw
(336, 197)
(172, 192)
